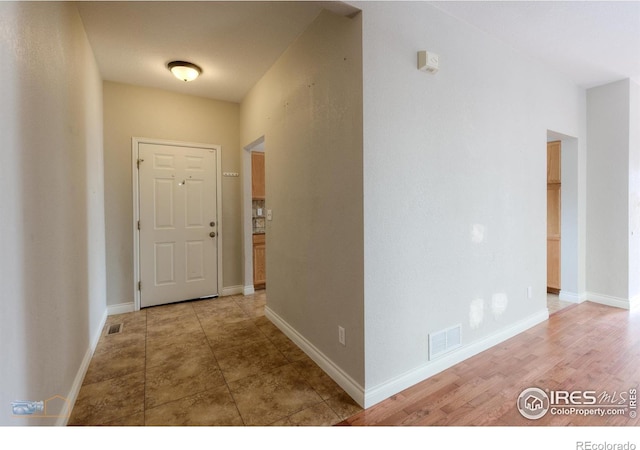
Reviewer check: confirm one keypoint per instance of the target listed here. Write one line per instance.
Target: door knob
(212, 234)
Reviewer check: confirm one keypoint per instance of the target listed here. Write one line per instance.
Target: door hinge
(138, 162)
(139, 285)
(138, 224)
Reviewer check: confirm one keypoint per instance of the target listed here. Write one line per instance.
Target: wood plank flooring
(587, 347)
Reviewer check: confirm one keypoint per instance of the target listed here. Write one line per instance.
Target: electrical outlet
(530, 292)
(341, 336)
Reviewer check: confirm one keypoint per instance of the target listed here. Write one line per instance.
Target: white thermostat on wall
(428, 61)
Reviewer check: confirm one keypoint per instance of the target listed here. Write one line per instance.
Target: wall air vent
(444, 341)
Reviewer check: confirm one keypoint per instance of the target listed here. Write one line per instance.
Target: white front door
(178, 235)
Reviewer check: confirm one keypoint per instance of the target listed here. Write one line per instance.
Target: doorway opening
(255, 216)
(554, 216)
(562, 266)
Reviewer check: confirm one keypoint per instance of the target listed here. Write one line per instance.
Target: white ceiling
(236, 42)
(591, 42)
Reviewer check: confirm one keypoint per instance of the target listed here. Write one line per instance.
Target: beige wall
(131, 111)
(309, 109)
(52, 268)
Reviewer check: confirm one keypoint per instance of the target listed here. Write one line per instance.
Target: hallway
(207, 362)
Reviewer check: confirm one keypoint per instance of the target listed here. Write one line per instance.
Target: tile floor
(554, 304)
(207, 362)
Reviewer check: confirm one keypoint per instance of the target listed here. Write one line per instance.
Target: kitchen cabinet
(554, 212)
(257, 176)
(259, 261)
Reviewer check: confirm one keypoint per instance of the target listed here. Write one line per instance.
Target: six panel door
(178, 223)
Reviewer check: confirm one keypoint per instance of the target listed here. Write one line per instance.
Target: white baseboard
(387, 389)
(369, 397)
(351, 387)
(572, 297)
(120, 308)
(248, 290)
(609, 300)
(63, 417)
(232, 290)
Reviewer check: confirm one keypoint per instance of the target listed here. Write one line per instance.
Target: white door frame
(135, 141)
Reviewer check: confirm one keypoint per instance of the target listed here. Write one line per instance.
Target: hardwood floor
(587, 347)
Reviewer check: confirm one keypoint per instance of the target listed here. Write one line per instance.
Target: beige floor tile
(181, 378)
(134, 322)
(212, 315)
(113, 361)
(554, 304)
(134, 420)
(288, 348)
(215, 306)
(212, 407)
(267, 327)
(106, 401)
(124, 339)
(317, 415)
(268, 397)
(226, 335)
(252, 306)
(317, 378)
(171, 348)
(173, 311)
(281, 423)
(343, 405)
(173, 327)
(248, 359)
(179, 365)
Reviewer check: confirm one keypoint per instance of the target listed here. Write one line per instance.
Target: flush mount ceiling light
(184, 71)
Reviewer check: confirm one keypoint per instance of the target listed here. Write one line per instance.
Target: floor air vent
(114, 329)
(444, 341)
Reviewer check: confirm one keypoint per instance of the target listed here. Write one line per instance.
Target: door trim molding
(135, 141)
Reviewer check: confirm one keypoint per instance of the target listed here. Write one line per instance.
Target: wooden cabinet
(257, 176)
(553, 162)
(259, 261)
(259, 243)
(553, 216)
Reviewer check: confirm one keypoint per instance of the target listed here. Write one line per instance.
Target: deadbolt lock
(212, 224)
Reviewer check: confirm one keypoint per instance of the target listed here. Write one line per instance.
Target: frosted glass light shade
(184, 71)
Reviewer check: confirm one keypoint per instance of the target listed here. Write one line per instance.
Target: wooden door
(554, 209)
(178, 223)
